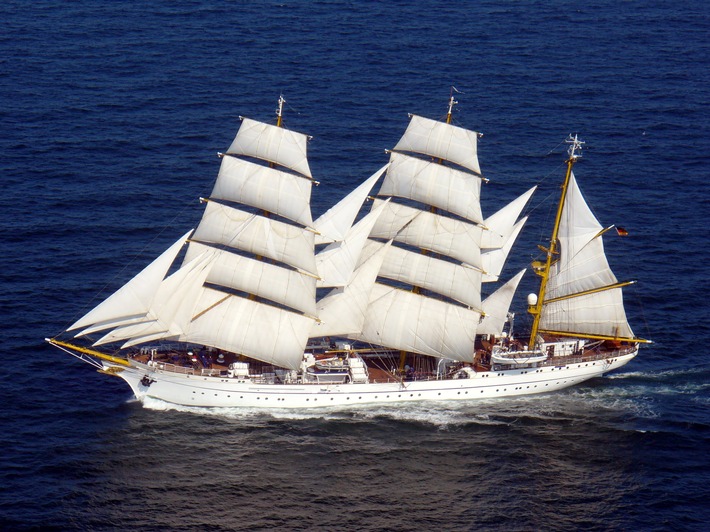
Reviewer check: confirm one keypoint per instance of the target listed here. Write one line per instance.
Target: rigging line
(380, 355)
(553, 173)
(553, 149)
(635, 292)
(291, 107)
(127, 267)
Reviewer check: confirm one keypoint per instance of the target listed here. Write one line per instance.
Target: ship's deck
(380, 367)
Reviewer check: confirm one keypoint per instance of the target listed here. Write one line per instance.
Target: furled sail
(583, 295)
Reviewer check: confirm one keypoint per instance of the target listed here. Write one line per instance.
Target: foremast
(250, 260)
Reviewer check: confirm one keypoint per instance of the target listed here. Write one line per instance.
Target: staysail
(333, 224)
(132, 301)
(496, 307)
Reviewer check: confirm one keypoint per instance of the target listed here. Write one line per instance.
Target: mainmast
(543, 269)
(433, 210)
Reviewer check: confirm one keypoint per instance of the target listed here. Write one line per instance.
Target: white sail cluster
(428, 295)
(583, 295)
(406, 276)
(247, 283)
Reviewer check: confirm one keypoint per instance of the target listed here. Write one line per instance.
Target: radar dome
(532, 300)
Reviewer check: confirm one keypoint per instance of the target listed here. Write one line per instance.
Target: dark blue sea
(111, 115)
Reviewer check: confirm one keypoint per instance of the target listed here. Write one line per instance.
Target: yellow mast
(543, 270)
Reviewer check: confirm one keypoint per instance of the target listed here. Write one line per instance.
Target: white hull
(208, 391)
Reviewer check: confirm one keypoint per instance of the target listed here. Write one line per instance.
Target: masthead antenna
(452, 102)
(279, 111)
(575, 145)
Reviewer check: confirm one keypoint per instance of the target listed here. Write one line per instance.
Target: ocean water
(111, 115)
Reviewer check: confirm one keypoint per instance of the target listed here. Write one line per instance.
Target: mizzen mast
(543, 269)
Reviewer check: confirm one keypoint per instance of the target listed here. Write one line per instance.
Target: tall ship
(261, 306)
